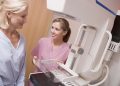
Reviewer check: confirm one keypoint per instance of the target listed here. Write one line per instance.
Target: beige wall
(36, 27)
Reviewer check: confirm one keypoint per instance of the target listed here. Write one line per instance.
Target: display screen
(44, 79)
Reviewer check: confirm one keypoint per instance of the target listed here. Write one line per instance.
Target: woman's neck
(8, 32)
(12, 35)
(57, 42)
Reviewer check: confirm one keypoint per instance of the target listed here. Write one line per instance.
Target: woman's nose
(25, 20)
(52, 30)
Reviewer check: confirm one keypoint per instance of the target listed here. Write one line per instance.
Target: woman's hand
(36, 61)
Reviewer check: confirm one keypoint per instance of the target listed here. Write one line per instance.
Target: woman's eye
(56, 28)
(23, 16)
(52, 27)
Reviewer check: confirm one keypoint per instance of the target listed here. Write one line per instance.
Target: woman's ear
(9, 14)
(65, 32)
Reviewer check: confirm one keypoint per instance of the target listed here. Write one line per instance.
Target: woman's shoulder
(44, 39)
(22, 38)
(66, 45)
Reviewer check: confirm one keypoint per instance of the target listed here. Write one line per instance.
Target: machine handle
(104, 78)
(105, 50)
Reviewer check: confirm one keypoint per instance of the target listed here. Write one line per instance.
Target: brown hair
(65, 26)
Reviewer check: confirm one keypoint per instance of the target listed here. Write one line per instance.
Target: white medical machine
(94, 44)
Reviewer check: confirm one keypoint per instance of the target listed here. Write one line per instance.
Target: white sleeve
(21, 79)
(1, 82)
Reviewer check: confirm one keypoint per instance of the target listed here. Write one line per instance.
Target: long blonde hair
(14, 6)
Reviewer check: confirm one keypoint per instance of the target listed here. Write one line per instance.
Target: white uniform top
(12, 62)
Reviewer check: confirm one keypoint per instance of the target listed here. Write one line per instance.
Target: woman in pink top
(54, 47)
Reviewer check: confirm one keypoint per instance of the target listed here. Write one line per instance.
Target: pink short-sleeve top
(44, 50)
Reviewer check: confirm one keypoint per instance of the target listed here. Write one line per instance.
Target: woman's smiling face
(17, 20)
(56, 31)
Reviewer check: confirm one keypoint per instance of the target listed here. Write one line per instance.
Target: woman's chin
(19, 27)
(53, 37)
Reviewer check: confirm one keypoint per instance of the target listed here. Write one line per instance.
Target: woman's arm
(21, 79)
(1, 82)
(36, 61)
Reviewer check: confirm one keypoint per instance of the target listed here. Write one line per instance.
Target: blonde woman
(12, 44)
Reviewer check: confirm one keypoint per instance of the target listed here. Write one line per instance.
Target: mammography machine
(94, 44)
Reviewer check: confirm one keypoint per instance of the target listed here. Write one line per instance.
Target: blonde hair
(14, 6)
